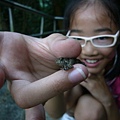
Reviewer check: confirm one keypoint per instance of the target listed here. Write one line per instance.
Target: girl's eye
(102, 38)
(78, 39)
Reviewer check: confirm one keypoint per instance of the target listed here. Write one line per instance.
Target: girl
(95, 24)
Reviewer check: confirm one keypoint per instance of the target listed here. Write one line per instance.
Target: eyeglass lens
(103, 41)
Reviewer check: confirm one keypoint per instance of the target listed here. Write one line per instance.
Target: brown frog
(67, 63)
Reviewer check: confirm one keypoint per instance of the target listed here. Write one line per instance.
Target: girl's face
(92, 21)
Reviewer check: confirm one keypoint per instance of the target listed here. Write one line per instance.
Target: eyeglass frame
(115, 36)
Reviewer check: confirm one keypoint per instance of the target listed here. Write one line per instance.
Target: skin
(95, 83)
(99, 104)
(28, 64)
(96, 27)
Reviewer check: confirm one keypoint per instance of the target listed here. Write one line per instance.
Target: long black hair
(112, 7)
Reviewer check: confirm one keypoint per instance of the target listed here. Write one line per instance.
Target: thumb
(78, 74)
(61, 46)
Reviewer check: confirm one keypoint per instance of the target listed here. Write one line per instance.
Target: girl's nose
(89, 49)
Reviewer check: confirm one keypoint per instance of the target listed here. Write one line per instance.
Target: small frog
(67, 63)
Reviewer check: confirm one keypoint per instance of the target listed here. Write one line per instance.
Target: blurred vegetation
(29, 23)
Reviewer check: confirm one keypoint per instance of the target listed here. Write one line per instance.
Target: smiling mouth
(91, 61)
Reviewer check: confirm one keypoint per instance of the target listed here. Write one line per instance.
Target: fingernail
(77, 75)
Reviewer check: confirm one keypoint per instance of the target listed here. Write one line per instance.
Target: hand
(96, 85)
(29, 64)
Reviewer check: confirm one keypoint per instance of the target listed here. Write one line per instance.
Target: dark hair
(115, 71)
(112, 7)
(113, 10)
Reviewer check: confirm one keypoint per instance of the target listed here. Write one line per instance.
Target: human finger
(61, 81)
(50, 86)
(61, 46)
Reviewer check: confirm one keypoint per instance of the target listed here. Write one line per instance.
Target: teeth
(91, 61)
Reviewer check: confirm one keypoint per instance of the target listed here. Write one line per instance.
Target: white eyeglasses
(97, 41)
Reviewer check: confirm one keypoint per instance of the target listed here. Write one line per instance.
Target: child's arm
(96, 85)
(55, 107)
